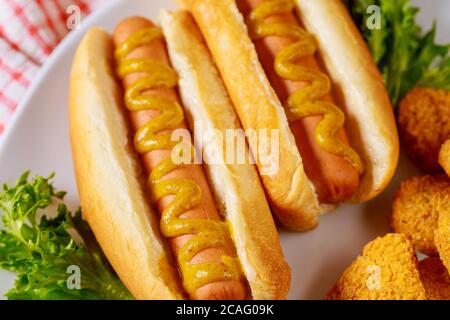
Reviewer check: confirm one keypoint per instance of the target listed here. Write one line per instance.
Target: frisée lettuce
(44, 251)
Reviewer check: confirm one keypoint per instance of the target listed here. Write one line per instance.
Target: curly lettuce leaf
(437, 77)
(404, 55)
(40, 249)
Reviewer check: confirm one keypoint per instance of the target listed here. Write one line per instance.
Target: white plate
(38, 140)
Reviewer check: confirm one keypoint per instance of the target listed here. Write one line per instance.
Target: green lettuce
(405, 55)
(40, 250)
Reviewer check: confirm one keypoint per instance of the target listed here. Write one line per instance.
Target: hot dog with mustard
(124, 106)
(302, 68)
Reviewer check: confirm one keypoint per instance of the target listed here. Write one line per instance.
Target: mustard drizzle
(305, 102)
(188, 194)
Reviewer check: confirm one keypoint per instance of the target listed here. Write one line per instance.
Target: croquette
(444, 157)
(424, 125)
(442, 236)
(416, 207)
(386, 270)
(435, 279)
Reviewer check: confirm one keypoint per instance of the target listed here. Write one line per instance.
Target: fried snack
(424, 125)
(386, 270)
(435, 279)
(444, 157)
(416, 208)
(442, 236)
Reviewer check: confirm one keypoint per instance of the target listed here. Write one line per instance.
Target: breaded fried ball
(442, 237)
(416, 207)
(444, 157)
(424, 125)
(435, 279)
(386, 270)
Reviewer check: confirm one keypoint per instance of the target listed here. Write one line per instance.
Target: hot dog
(122, 151)
(302, 68)
(335, 179)
(205, 208)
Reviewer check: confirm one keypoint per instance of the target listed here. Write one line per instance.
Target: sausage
(334, 178)
(226, 290)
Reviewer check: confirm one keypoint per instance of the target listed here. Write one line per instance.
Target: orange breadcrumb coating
(442, 236)
(386, 270)
(424, 125)
(444, 157)
(435, 279)
(416, 207)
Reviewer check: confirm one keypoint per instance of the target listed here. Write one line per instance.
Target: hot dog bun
(237, 186)
(289, 190)
(109, 176)
(358, 87)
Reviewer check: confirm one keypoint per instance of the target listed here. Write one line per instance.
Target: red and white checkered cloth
(29, 31)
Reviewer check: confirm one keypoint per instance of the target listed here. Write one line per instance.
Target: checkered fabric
(29, 31)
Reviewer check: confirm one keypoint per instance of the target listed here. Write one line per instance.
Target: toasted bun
(237, 186)
(109, 178)
(289, 190)
(359, 89)
(358, 85)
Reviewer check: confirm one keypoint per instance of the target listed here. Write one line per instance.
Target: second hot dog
(284, 71)
(335, 178)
